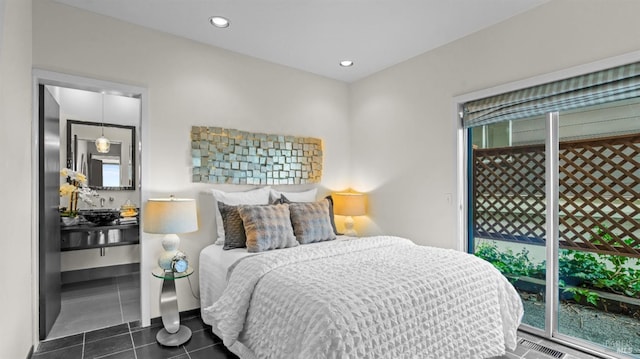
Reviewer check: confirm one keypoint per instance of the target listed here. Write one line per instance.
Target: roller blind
(613, 84)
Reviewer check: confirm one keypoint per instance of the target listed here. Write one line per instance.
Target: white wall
(403, 122)
(402, 133)
(16, 179)
(192, 84)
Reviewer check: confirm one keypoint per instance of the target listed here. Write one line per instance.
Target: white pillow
(304, 196)
(255, 196)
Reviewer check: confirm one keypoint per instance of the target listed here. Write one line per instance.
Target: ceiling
(315, 35)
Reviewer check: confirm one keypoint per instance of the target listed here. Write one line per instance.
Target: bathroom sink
(100, 216)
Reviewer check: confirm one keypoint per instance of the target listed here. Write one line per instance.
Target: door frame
(45, 77)
(462, 179)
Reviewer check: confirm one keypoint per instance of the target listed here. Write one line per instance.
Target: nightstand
(173, 334)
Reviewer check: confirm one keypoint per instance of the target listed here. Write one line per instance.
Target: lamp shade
(170, 216)
(349, 204)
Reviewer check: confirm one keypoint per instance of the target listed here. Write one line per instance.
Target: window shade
(613, 84)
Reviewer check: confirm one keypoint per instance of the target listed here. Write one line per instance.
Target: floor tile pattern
(131, 341)
(95, 304)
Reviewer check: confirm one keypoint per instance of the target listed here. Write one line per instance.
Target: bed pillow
(329, 199)
(304, 196)
(256, 196)
(267, 227)
(310, 221)
(332, 218)
(234, 236)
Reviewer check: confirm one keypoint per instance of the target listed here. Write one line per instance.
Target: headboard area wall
(221, 155)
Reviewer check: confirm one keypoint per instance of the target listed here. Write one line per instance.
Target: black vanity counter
(86, 236)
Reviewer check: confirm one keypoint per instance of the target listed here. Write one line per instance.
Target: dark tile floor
(95, 304)
(131, 341)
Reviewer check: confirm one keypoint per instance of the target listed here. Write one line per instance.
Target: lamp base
(348, 227)
(170, 243)
(173, 339)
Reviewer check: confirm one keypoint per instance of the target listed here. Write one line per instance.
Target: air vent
(541, 348)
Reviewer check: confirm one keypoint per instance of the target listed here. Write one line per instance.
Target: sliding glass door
(554, 204)
(599, 232)
(507, 224)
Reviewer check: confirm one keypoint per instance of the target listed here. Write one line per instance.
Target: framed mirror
(114, 170)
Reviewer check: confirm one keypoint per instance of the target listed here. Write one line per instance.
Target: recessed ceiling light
(346, 63)
(219, 21)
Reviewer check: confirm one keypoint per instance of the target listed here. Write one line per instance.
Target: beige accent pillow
(311, 222)
(267, 227)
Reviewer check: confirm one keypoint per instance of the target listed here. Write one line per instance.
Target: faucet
(102, 200)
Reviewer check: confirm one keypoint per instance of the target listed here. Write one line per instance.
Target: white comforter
(379, 297)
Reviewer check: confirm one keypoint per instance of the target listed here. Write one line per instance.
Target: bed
(373, 297)
(279, 283)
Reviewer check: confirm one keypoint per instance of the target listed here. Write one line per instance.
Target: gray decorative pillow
(234, 236)
(311, 222)
(284, 199)
(267, 227)
(331, 216)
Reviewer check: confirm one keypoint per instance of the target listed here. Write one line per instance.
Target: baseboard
(83, 275)
(184, 315)
(190, 313)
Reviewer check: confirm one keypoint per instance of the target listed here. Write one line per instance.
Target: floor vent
(541, 348)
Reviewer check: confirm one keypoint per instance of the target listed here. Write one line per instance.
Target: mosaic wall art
(223, 155)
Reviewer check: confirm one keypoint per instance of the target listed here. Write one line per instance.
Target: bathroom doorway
(98, 260)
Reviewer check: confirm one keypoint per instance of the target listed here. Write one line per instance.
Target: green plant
(580, 265)
(616, 274)
(620, 278)
(580, 293)
(580, 272)
(509, 263)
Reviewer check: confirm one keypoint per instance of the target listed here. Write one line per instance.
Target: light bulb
(103, 144)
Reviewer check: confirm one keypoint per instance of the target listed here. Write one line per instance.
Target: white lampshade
(170, 216)
(349, 204)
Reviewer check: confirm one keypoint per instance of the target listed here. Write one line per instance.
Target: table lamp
(169, 216)
(349, 204)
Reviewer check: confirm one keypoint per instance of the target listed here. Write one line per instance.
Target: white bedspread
(214, 265)
(379, 297)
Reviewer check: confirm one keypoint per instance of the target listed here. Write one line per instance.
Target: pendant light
(102, 143)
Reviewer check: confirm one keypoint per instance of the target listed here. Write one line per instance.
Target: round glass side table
(173, 334)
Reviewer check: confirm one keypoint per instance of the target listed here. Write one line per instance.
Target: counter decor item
(75, 188)
(69, 221)
(128, 213)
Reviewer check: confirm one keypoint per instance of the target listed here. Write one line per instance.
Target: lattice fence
(599, 203)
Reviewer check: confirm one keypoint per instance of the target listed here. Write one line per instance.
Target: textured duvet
(376, 297)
